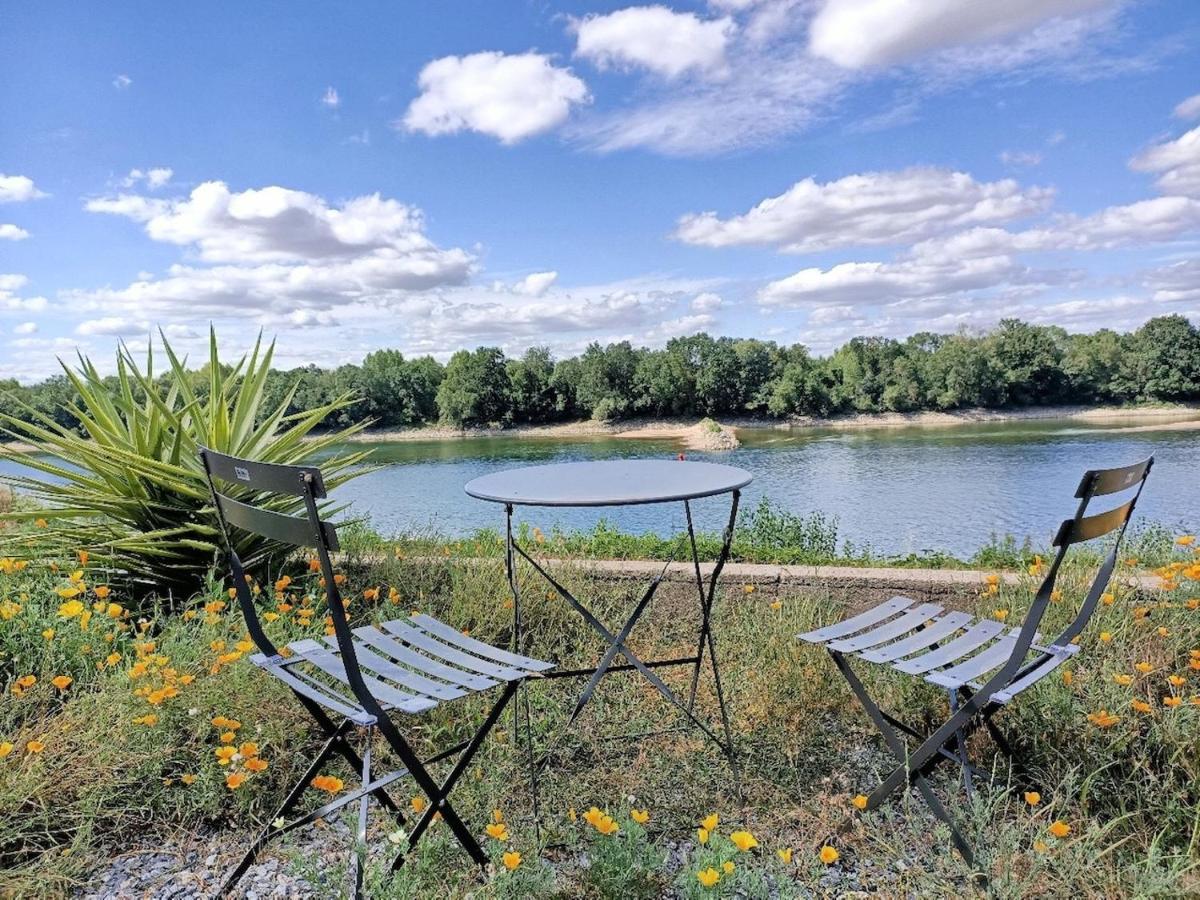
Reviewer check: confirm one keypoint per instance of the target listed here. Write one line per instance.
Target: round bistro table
(625, 482)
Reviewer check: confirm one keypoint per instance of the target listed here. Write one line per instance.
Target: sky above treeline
(429, 177)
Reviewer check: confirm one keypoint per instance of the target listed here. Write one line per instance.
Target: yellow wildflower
(511, 860)
(708, 877)
(743, 840)
(828, 855)
(1060, 829)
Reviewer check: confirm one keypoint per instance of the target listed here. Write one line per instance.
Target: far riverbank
(1174, 417)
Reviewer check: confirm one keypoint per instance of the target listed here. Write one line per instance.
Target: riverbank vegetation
(1015, 365)
(113, 724)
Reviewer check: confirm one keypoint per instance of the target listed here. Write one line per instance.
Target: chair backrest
(255, 482)
(1078, 529)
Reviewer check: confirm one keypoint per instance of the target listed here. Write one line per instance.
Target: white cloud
(1020, 158)
(875, 282)
(330, 98)
(154, 179)
(1176, 283)
(655, 38)
(274, 251)
(535, 284)
(10, 302)
(26, 328)
(113, 326)
(12, 233)
(857, 34)
(122, 82)
(276, 224)
(871, 208)
(1176, 162)
(510, 97)
(707, 302)
(17, 189)
(1189, 108)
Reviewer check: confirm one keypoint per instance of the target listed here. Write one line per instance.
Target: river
(898, 490)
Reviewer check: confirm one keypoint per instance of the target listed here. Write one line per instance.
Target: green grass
(104, 785)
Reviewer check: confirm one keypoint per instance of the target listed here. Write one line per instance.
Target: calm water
(899, 490)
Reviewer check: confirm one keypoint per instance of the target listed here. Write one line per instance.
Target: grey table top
(617, 482)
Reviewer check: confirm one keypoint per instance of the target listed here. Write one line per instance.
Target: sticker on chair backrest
(1129, 476)
(242, 474)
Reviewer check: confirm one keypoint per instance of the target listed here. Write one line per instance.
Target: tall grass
(107, 779)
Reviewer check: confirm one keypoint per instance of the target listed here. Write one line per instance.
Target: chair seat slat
(990, 657)
(888, 630)
(971, 639)
(432, 667)
(426, 643)
(479, 648)
(331, 664)
(926, 637)
(1058, 656)
(872, 616)
(340, 705)
(419, 684)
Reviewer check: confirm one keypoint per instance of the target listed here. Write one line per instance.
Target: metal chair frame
(466, 664)
(973, 705)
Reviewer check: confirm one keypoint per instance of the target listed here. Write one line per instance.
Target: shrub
(128, 488)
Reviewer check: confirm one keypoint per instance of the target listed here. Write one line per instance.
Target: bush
(128, 488)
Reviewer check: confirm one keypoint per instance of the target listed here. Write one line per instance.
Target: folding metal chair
(955, 651)
(359, 676)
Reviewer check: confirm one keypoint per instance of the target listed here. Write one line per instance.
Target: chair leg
(896, 745)
(960, 743)
(290, 801)
(358, 858)
(439, 794)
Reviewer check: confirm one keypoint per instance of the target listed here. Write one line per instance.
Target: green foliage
(623, 864)
(127, 485)
(475, 389)
(1016, 364)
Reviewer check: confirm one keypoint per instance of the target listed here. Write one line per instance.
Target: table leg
(706, 599)
(523, 702)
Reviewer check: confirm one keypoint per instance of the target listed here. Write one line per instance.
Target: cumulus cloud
(273, 251)
(871, 208)
(535, 284)
(656, 38)
(330, 98)
(707, 302)
(874, 282)
(12, 233)
(508, 96)
(113, 326)
(1177, 164)
(278, 225)
(857, 34)
(25, 328)
(10, 284)
(122, 82)
(17, 189)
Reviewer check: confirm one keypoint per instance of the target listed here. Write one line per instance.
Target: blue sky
(433, 176)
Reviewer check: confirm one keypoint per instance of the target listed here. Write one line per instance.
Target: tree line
(1015, 364)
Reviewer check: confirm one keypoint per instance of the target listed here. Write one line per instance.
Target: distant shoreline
(1186, 414)
(693, 436)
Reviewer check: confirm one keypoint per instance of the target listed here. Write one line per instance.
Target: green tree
(606, 379)
(1028, 360)
(1162, 361)
(532, 390)
(475, 389)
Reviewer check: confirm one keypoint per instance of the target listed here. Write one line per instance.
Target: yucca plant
(128, 487)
